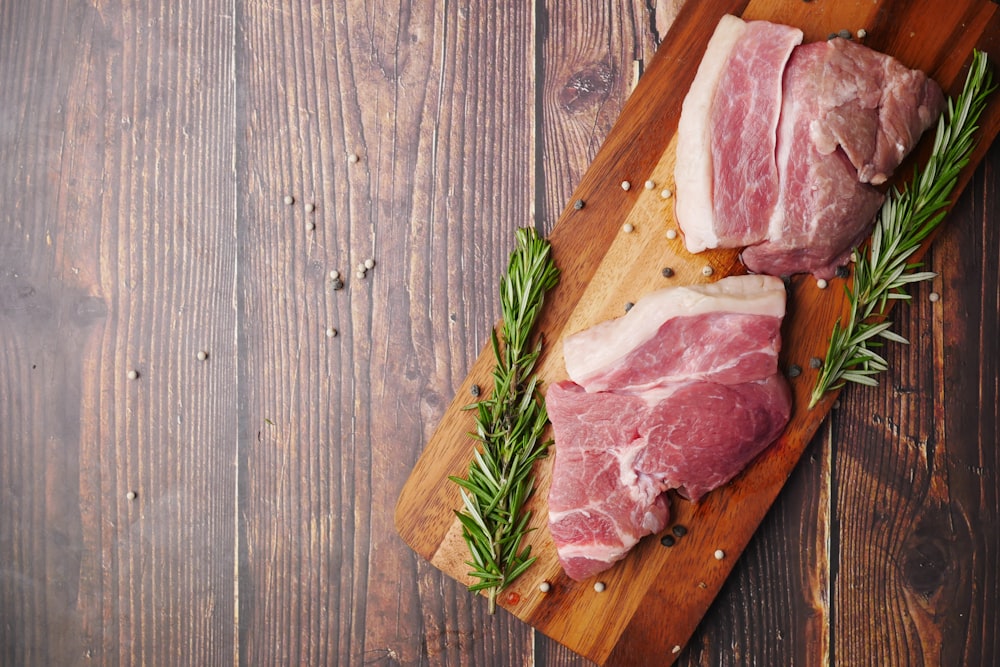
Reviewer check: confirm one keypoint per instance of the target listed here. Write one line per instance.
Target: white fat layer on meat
(592, 350)
(693, 174)
(593, 551)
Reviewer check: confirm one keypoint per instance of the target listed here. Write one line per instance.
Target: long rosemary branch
(509, 427)
(907, 217)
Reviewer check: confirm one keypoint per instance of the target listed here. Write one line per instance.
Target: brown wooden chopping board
(654, 599)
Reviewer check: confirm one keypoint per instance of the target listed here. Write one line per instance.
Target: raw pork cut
(787, 166)
(849, 116)
(680, 393)
(724, 118)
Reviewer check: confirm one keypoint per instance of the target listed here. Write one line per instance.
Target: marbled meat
(682, 392)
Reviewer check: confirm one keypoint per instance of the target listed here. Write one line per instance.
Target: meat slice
(844, 104)
(738, 88)
(682, 333)
(682, 392)
(744, 124)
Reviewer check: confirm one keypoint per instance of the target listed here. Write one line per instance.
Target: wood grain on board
(657, 596)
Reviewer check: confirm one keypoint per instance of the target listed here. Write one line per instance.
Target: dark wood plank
(115, 255)
(917, 479)
(436, 101)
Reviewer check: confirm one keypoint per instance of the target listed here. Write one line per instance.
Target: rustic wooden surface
(147, 149)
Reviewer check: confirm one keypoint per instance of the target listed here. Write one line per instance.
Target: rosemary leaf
(907, 217)
(510, 422)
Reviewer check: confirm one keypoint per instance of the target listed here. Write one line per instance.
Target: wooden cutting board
(655, 598)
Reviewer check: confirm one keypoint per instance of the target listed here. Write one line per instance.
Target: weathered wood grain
(436, 101)
(116, 255)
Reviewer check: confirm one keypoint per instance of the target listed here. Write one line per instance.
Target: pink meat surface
(869, 105)
(843, 104)
(687, 409)
(744, 123)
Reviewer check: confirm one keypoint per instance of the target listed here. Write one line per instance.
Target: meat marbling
(647, 414)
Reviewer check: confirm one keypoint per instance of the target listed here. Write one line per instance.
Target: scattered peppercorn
(626, 185)
(627, 228)
(843, 272)
(862, 33)
(794, 371)
(331, 332)
(677, 648)
(310, 207)
(628, 306)
(202, 355)
(475, 390)
(338, 284)
(369, 263)
(599, 587)
(133, 374)
(815, 362)
(131, 495)
(668, 540)
(671, 234)
(289, 200)
(844, 34)
(353, 158)
(719, 554)
(821, 283)
(679, 530)
(666, 194)
(707, 271)
(667, 272)
(934, 297)
(545, 587)
(702, 584)
(578, 204)
(650, 185)
(310, 226)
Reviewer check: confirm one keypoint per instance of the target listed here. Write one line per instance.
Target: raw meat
(680, 393)
(795, 182)
(848, 118)
(713, 211)
(744, 126)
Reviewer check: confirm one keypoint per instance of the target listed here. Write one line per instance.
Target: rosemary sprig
(509, 427)
(906, 218)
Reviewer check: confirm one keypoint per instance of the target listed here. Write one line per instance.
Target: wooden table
(202, 440)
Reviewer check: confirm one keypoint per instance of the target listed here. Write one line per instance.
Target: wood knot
(587, 87)
(928, 561)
